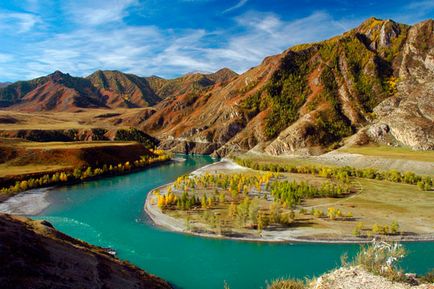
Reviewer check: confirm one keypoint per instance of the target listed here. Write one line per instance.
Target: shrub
(357, 231)
(428, 277)
(286, 284)
(381, 258)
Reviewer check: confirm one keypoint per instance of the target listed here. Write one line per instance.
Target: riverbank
(28, 203)
(314, 234)
(34, 201)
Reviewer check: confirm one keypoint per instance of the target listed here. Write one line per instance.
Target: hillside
(102, 89)
(123, 90)
(367, 82)
(45, 258)
(3, 84)
(57, 91)
(370, 85)
(20, 159)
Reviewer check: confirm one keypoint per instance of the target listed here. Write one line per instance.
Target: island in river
(310, 203)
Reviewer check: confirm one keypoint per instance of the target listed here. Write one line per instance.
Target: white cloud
(6, 57)
(88, 13)
(148, 50)
(240, 4)
(17, 22)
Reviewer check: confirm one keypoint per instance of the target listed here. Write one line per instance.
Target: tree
(357, 231)
(222, 198)
(394, 227)
(77, 173)
(253, 211)
(232, 210)
(274, 213)
(261, 222)
(243, 212)
(210, 202)
(23, 185)
(203, 202)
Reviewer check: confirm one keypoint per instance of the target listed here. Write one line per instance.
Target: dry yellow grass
(85, 119)
(21, 157)
(72, 145)
(10, 170)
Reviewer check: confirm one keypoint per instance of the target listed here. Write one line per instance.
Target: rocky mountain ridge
(370, 84)
(373, 83)
(102, 89)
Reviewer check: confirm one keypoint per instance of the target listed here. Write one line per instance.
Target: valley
(320, 147)
(310, 99)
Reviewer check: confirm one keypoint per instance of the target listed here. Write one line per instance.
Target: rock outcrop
(35, 255)
(355, 278)
(374, 81)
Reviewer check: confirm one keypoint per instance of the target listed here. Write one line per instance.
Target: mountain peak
(222, 75)
(58, 75)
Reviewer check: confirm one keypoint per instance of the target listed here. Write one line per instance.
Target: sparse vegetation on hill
(308, 99)
(288, 90)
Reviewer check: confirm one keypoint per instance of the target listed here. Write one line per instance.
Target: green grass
(391, 152)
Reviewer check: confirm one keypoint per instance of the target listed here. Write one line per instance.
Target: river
(109, 213)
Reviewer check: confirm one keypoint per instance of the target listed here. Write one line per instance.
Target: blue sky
(172, 37)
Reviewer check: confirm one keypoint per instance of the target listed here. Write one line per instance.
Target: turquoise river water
(109, 213)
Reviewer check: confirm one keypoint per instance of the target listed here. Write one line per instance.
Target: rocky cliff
(35, 255)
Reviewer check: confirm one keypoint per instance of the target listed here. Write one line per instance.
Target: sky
(173, 37)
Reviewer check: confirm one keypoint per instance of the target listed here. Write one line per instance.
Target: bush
(286, 284)
(357, 231)
(428, 277)
(381, 258)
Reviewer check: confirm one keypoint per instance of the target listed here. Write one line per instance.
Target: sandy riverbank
(296, 234)
(27, 203)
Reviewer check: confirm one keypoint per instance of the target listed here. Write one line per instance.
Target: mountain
(102, 89)
(190, 83)
(57, 91)
(45, 258)
(373, 83)
(4, 84)
(123, 90)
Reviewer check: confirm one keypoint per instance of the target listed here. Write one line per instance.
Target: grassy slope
(391, 152)
(87, 118)
(20, 157)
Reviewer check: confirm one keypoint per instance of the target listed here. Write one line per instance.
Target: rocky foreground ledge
(358, 278)
(35, 255)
